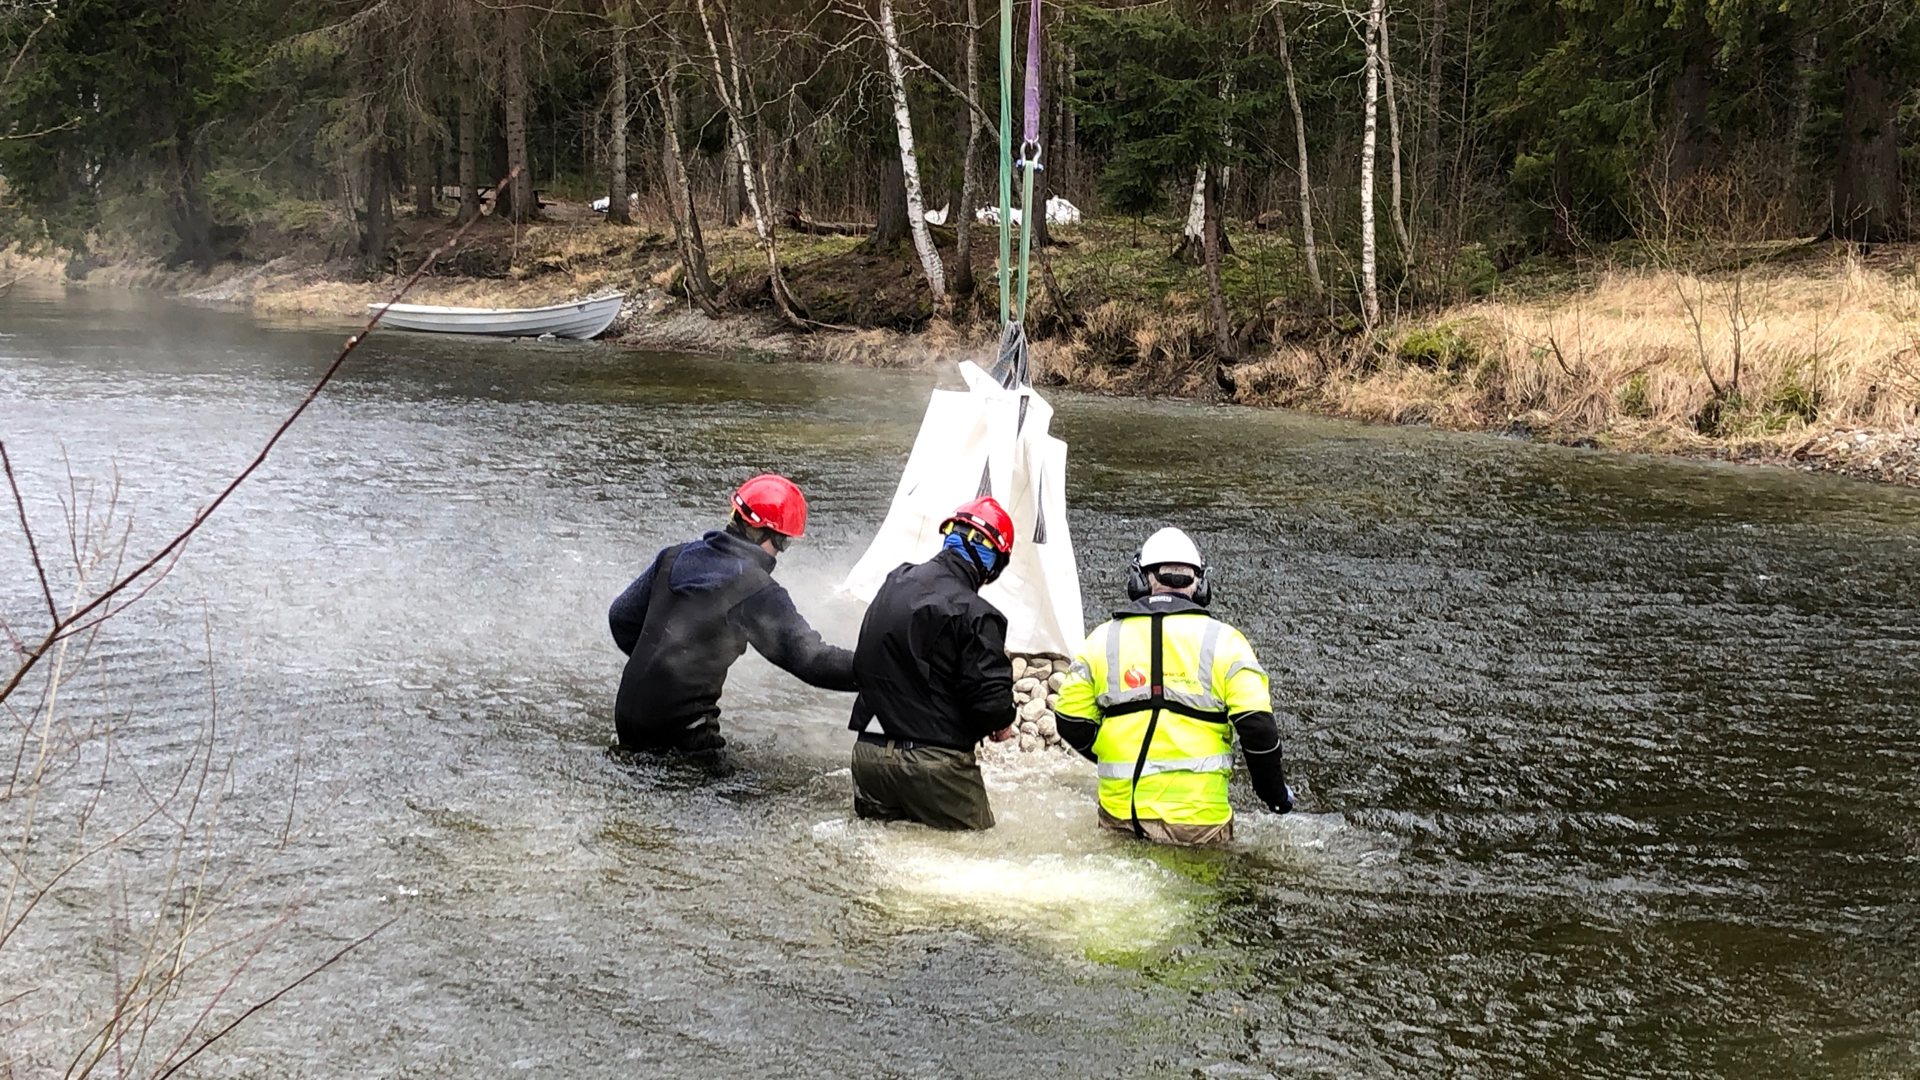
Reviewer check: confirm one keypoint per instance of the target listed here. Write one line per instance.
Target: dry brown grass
(1636, 359)
(1120, 348)
(16, 266)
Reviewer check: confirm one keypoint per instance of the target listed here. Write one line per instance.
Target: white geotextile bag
(993, 441)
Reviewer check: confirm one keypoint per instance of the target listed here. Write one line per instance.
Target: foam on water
(1048, 873)
(1079, 898)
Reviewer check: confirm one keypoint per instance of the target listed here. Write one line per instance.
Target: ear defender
(1137, 587)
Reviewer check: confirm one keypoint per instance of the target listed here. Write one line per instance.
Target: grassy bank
(1647, 359)
(1771, 353)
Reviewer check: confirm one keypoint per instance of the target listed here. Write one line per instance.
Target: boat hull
(584, 319)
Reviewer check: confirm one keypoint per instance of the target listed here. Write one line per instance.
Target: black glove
(1285, 806)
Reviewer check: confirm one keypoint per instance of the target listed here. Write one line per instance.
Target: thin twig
(33, 548)
(280, 993)
(1559, 357)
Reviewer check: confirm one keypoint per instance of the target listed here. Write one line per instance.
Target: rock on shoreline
(1890, 457)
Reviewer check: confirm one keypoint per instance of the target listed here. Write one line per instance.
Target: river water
(1607, 765)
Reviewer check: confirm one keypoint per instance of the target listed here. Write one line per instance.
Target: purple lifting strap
(1030, 148)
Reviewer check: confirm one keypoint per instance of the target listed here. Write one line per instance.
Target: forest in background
(1277, 193)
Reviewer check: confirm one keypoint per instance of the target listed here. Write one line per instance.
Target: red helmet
(772, 502)
(990, 518)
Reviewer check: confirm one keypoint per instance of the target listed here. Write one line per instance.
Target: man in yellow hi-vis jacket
(1155, 698)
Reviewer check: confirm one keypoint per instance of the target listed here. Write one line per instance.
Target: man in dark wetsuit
(685, 621)
(934, 679)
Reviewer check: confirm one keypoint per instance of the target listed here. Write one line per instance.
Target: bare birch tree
(1369, 280)
(727, 86)
(909, 162)
(1192, 233)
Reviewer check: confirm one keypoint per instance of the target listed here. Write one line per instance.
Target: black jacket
(686, 620)
(932, 657)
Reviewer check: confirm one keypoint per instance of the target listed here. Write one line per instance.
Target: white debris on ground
(1036, 688)
(1059, 212)
(601, 204)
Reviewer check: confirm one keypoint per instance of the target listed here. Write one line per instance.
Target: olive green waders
(897, 780)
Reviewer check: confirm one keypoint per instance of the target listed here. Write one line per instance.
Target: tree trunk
(1866, 198)
(1805, 54)
(1369, 140)
(727, 85)
(1035, 217)
(1428, 172)
(1307, 248)
(423, 193)
(497, 163)
(686, 216)
(469, 152)
(617, 187)
(960, 214)
(890, 221)
(1566, 229)
(732, 194)
(1067, 168)
(1192, 234)
(1692, 93)
(191, 222)
(514, 45)
(377, 226)
(909, 164)
(1393, 142)
(1226, 171)
(1210, 244)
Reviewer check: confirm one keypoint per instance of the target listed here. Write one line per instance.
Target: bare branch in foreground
(283, 991)
(33, 547)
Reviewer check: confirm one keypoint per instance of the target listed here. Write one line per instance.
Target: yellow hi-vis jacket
(1165, 745)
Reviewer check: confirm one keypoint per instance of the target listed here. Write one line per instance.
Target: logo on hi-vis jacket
(1134, 677)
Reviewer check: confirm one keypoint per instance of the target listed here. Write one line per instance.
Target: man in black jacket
(934, 679)
(685, 621)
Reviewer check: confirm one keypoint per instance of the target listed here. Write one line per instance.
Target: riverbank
(1797, 354)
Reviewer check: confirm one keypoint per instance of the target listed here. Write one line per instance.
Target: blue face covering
(980, 554)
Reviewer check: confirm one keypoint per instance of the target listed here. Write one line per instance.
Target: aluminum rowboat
(581, 319)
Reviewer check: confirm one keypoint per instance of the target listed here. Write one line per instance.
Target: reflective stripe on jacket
(1209, 674)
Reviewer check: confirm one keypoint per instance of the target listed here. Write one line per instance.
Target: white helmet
(1170, 545)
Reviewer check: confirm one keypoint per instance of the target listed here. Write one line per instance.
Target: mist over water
(1606, 764)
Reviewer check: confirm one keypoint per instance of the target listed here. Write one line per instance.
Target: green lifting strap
(1028, 162)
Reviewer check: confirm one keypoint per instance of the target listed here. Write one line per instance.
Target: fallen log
(800, 223)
